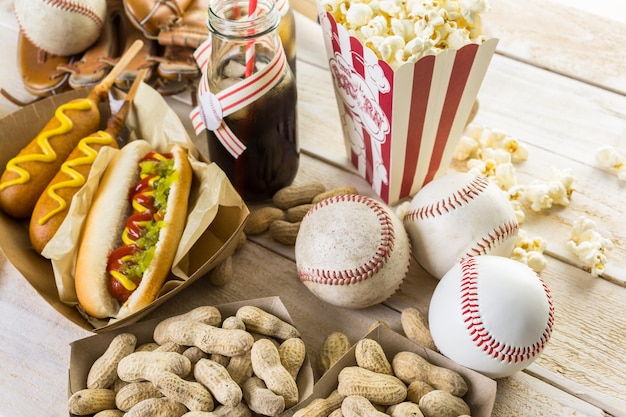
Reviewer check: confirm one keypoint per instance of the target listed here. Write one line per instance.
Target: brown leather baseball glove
(150, 16)
(39, 69)
(170, 29)
(190, 30)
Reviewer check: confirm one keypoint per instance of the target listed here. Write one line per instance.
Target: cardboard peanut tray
(85, 351)
(481, 394)
(216, 218)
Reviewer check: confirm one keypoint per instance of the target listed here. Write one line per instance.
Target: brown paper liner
(205, 242)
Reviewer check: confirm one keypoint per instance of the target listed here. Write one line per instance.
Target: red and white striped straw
(250, 46)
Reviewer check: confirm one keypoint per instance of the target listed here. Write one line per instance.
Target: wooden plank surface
(586, 348)
(562, 119)
(536, 106)
(520, 395)
(543, 110)
(579, 39)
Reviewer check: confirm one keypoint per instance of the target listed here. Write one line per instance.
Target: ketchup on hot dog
(148, 198)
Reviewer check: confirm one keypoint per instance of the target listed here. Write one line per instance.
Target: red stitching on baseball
(501, 233)
(373, 265)
(481, 336)
(77, 8)
(458, 199)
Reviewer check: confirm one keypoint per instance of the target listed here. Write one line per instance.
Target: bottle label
(210, 111)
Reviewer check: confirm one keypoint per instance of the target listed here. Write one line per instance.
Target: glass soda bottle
(266, 126)
(287, 31)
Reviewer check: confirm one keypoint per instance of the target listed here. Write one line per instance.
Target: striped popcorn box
(401, 125)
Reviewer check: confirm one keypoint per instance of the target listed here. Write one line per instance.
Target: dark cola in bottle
(267, 126)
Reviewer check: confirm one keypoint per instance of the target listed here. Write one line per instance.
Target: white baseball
(61, 27)
(491, 314)
(456, 216)
(352, 251)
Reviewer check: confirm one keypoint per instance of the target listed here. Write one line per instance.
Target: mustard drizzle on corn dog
(77, 180)
(43, 140)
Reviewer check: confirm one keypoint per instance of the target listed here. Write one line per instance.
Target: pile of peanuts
(198, 366)
(290, 204)
(409, 385)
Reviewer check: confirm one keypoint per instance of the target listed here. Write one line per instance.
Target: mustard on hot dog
(132, 230)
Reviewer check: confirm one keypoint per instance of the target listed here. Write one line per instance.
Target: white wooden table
(556, 83)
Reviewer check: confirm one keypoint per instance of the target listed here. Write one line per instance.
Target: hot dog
(132, 230)
(27, 175)
(54, 203)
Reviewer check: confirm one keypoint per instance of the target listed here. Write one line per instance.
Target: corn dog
(27, 174)
(54, 203)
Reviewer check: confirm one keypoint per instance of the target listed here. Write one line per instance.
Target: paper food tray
(85, 351)
(151, 119)
(481, 394)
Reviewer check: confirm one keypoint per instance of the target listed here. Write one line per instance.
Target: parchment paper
(151, 119)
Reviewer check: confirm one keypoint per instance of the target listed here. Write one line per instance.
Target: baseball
(352, 251)
(491, 314)
(61, 27)
(456, 216)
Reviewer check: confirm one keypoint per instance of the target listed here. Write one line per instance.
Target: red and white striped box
(401, 127)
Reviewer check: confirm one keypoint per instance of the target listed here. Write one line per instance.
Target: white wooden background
(557, 84)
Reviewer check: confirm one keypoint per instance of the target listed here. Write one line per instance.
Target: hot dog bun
(106, 221)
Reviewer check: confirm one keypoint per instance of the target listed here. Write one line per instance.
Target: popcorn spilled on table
(494, 154)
